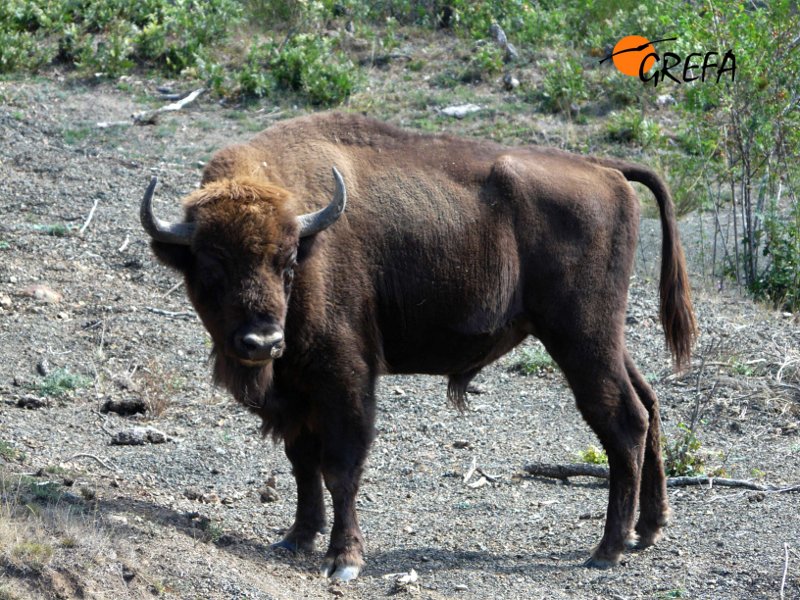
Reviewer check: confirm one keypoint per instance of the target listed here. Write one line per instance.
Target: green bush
(632, 127)
(533, 360)
(61, 382)
(309, 64)
(563, 86)
(682, 454)
(486, 61)
(780, 279)
(745, 134)
(593, 455)
(112, 36)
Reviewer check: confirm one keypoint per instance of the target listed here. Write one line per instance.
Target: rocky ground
(88, 317)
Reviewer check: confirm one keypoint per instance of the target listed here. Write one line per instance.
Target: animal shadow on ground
(381, 562)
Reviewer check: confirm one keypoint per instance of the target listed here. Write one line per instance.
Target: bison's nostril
(258, 341)
(255, 345)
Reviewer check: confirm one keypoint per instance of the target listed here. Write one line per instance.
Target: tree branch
(564, 471)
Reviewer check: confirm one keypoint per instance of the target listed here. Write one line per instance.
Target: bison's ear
(176, 256)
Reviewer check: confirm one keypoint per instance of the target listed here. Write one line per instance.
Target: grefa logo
(635, 55)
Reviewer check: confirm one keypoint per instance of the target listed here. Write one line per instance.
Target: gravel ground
(193, 516)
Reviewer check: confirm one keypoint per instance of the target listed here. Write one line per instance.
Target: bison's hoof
(293, 545)
(596, 562)
(642, 540)
(342, 573)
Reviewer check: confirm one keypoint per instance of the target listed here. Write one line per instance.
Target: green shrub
(630, 126)
(593, 455)
(681, 455)
(780, 279)
(61, 382)
(112, 36)
(563, 85)
(255, 78)
(486, 61)
(533, 361)
(309, 64)
(746, 136)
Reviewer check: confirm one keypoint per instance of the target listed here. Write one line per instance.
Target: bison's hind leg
(605, 395)
(654, 509)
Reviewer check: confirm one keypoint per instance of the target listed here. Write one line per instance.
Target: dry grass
(38, 526)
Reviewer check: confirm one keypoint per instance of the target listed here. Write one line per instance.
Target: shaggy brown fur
(449, 254)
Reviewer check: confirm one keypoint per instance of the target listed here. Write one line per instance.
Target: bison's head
(238, 249)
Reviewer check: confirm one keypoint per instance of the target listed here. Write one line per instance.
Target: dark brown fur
(449, 254)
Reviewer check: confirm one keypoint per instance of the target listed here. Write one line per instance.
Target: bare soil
(185, 518)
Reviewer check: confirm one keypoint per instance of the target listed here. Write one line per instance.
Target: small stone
(42, 293)
(268, 494)
(510, 82)
(666, 100)
(127, 573)
(460, 587)
(462, 444)
(43, 367)
(117, 519)
(135, 436)
(31, 402)
(124, 407)
(477, 389)
(192, 494)
(210, 498)
(5, 300)
(460, 111)
(398, 391)
(156, 436)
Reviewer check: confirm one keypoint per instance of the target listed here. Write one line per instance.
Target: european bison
(450, 253)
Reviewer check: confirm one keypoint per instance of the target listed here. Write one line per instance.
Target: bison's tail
(677, 316)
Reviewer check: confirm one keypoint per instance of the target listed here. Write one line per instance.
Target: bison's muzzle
(255, 347)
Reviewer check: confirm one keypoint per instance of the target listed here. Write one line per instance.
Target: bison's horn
(162, 231)
(317, 221)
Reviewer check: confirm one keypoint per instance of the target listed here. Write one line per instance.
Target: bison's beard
(248, 385)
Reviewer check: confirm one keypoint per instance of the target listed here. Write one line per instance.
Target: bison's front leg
(348, 435)
(305, 453)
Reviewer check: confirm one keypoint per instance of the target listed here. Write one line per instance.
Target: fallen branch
(93, 457)
(107, 124)
(726, 482)
(89, 218)
(148, 117)
(563, 472)
(785, 568)
(172, 314)
(125, 244)
(172, 289)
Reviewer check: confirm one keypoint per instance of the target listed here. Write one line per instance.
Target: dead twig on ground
(89, 218)
(785, 568)
(471, 470)
(172, 289)
(556, 471)
(171, 313)
(99, 460)
(564, 471)
(148, 117)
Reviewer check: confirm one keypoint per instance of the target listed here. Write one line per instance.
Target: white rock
(460, 111)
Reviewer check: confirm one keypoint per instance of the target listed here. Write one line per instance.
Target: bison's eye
(210, 270)
(288, 277)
